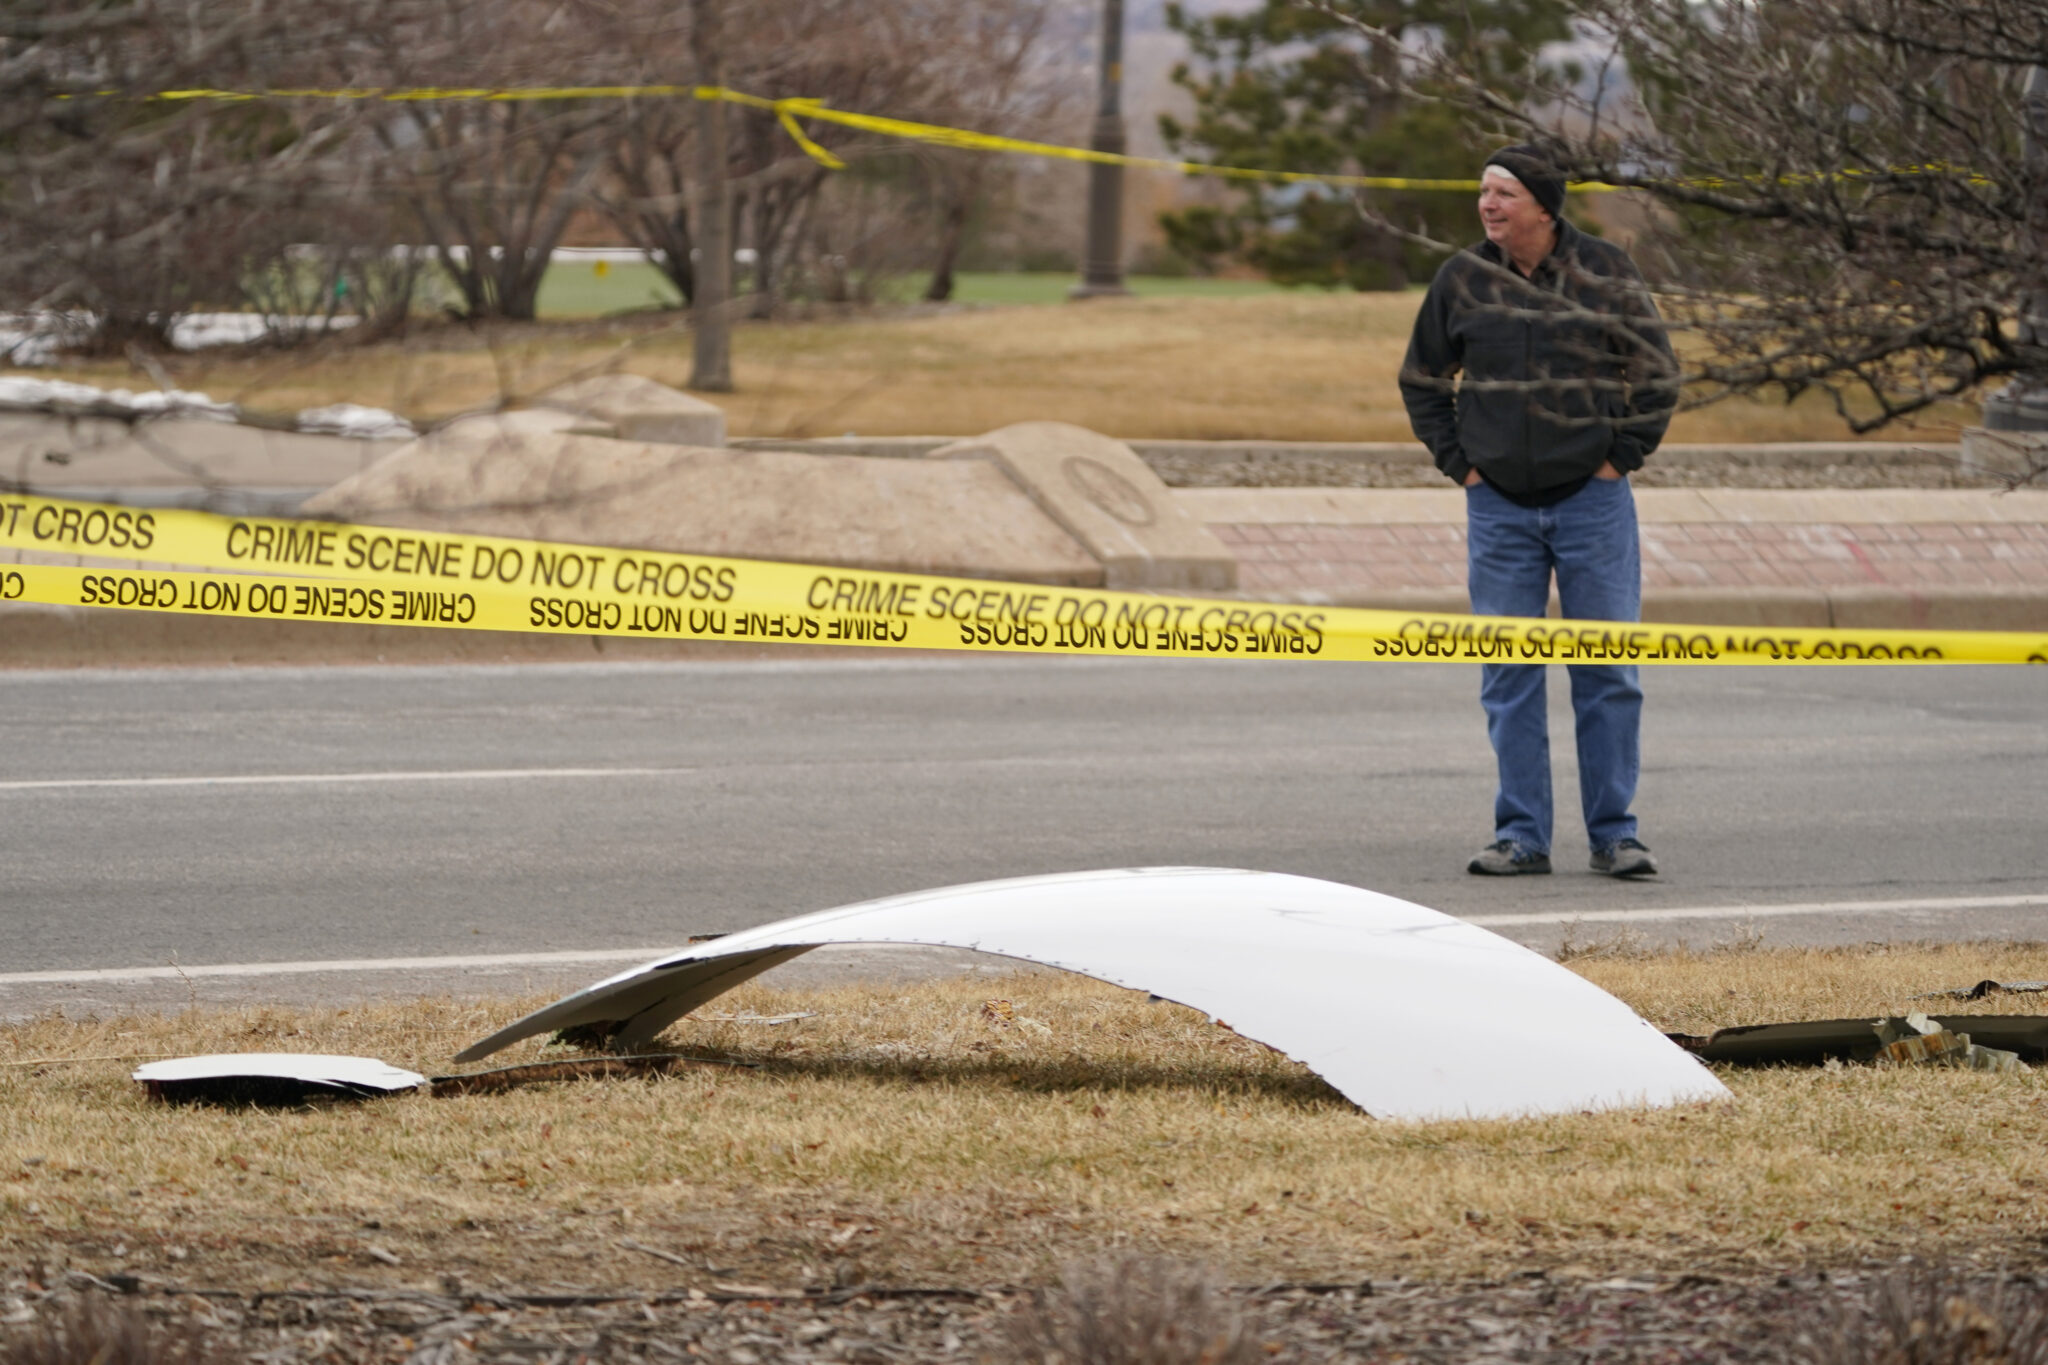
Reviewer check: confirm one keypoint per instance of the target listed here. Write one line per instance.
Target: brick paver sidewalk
(1358, 541)
(1284, 556)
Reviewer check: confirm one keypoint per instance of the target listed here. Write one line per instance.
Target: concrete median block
(962, 519)
(1105, 497)
(638, 409)
(2004, 454)
(516, 425)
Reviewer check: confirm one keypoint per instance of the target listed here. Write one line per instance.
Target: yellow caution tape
(788, 111)
(965, 140)
(278, 569)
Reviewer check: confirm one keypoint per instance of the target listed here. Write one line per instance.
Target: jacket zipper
(1529, 396)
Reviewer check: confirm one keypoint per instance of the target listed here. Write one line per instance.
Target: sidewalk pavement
(1863, 557)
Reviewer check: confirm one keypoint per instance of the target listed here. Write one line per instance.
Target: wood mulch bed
(1532, 1318)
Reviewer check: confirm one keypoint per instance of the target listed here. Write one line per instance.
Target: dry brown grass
(900, 1135)
(1305, 366)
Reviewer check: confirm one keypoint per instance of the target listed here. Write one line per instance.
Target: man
(1568, 382)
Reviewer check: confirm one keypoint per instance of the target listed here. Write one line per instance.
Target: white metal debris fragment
(1408, 1012)
(1931, 1046)
(273, 1077)
(1917, 1040)
(1981, 1058)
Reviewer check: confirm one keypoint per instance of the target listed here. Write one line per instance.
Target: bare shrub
(1135, 1310)
(992, 65)
(310, 274)
(854, 247)
(492, 185)
(1924, 1315)
(122, 211)
(1019, 84)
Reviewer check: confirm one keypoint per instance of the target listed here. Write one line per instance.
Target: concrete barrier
(638, 409)
(960, 518)
(2004, 454)
(1106, 498)
(1251, 454)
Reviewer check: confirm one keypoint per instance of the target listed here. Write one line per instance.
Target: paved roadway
(268, 816)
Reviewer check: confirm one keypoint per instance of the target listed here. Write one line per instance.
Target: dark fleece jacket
(1561, 370)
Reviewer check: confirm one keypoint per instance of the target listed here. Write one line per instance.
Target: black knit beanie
(1531, 165)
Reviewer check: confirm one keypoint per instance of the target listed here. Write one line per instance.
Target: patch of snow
(60, 395)
(353, 419)
(33, 339)
(23, 344)
(195, 331)
(19, 389)
(22, 391)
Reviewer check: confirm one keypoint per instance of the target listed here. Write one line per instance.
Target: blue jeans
(1590, 541)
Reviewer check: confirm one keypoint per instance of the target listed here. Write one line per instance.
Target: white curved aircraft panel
(1408, 1012)
(348, 1073)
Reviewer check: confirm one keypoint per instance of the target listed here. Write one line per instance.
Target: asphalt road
(267, 816)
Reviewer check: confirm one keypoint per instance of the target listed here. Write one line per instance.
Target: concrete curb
(1654, 506)
(1857, 608)
(1799, 454)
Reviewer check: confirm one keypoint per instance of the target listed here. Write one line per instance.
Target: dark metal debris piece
(1816, 1042)
(1988, 987)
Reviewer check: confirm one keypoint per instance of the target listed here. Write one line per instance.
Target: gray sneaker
(1625, 858)
(1506, 858)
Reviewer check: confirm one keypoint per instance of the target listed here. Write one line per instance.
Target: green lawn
(572, 291)
(579, 291)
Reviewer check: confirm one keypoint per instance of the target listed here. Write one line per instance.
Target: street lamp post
(1102, 273)
(2022, 405)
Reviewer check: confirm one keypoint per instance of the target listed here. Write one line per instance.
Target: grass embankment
(1301, 365)
(899, 1135)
